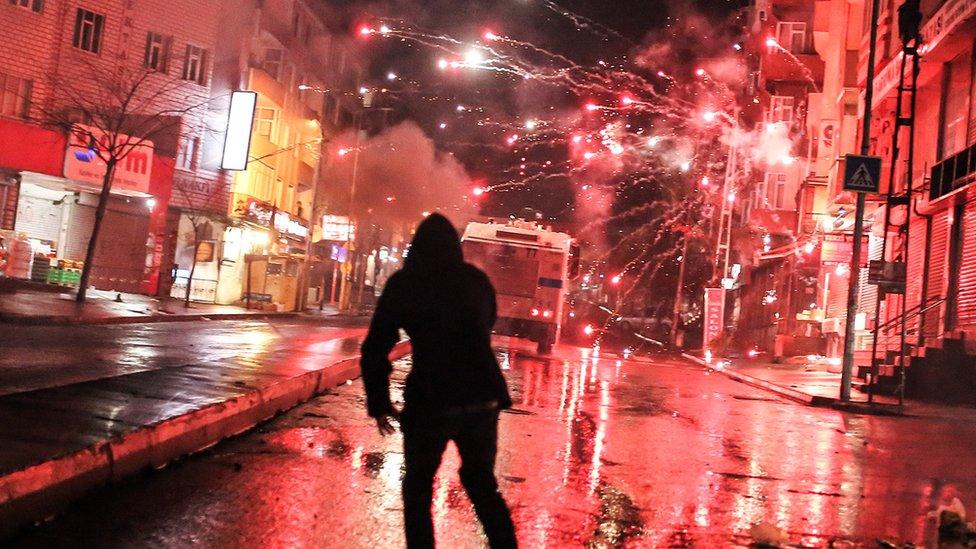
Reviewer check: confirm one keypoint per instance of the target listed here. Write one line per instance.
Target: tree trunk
(193, 268)
(99, 215)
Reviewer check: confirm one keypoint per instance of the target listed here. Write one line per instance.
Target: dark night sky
(429, 96)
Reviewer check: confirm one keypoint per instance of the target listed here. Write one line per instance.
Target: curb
(58, 320)
(795, 396)
(41, 490)
(800, 396)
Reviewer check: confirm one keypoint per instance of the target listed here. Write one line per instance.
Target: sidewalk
(818, 384)
(42, 306)
(58, 442)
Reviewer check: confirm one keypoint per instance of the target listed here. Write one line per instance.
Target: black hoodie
(447, 308)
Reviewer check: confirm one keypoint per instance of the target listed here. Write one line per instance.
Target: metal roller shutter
(966, 312)
(39, 218)
(120, 255)
(868, 293)
(81, 220)
(915, 270)
(938, 258)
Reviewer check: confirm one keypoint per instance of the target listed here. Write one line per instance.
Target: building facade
(924, 218)
(303, 73)
(783, 194)
(177, 223)
(59, 62)
(932, 229)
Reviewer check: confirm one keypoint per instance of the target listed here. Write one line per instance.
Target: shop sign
(885, 80)
(202, 291)
(887, 275)
(292, 228)
(253, 211)
(941, 24)
(205, 251)
(337, 228)
(261, 213)
(339, 253)
(81, 163)
(944, 21)
(714, 322)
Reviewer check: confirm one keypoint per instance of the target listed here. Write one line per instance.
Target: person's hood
(436, 244)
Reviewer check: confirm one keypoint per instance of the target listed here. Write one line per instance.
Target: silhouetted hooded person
(455, 388)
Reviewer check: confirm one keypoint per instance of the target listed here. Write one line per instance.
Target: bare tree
(116, 113)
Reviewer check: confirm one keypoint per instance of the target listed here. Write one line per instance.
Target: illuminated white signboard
(237, 142)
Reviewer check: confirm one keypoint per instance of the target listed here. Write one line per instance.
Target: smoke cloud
(400, 175)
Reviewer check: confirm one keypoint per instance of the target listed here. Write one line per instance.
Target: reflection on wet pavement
(33, 357)
(597, 452)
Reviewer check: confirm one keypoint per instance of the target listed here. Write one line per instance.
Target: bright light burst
(634, 127)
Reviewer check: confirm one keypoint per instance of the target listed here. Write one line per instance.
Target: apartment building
(58, 60)
(306, 77)
(932, 227)
(777, 295)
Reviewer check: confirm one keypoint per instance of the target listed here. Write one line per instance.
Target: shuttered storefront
(120, 255)
(38, 218)
(868, 293)
(915, 272)
(938, 263)
(966, 311)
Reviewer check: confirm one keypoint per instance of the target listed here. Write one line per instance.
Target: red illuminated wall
(161, 187)
(25, 147)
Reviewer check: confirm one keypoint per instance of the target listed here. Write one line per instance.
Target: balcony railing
(953, 173)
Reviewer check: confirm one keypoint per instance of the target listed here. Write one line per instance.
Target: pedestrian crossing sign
(862, 173)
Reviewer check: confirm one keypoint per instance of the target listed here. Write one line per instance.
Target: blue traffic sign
(862, 173)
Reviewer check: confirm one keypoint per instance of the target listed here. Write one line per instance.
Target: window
(792, 36)
(781, 109)
(273, 60)
(157, 52)
(33, 5)
(262, 181)
(195, 64)
(15, 94)
(775, 185)
(88, 30)
(759, 195)
(265, 121)
(186, 156)
(956, 109)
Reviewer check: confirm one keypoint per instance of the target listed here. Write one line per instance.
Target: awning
(63, 184)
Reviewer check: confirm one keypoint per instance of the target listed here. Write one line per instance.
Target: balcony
(262, 82)
(953, 173)
(780, 66)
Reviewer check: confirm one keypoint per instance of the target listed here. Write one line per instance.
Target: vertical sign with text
(714, 321)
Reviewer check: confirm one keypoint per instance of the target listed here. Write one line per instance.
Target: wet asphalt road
(596, 453)
(37, 357)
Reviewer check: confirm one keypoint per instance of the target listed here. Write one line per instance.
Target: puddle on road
(619, 519)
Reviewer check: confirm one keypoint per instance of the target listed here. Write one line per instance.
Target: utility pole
(678, 293)
(855, 268)
(345, 289)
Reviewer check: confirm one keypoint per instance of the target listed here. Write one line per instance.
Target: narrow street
(597, 452)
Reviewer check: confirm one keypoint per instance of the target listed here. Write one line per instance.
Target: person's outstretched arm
(375, 363)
